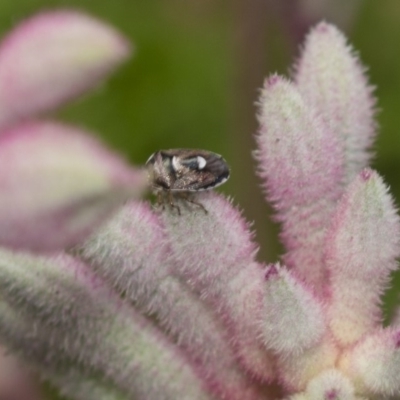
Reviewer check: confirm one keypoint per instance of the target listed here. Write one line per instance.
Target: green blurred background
(197, 66)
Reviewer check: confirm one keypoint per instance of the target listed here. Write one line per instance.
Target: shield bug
(180, 173)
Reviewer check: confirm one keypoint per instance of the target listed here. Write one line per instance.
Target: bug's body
(184, 171)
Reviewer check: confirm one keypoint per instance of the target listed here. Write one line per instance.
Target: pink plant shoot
(107, 298)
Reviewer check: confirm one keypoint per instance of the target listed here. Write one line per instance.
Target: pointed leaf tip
(366, 174)
(53, 57)
(273, 80)
(271, 272)
(361, 250)
(292, 318)
(324, 27)
(57, 184)
(214, 254)
(133, 243)
(331, 79)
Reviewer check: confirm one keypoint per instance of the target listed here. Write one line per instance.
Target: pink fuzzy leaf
(374, 363)
(29, 340)
(293, 318)
(300, 164)
(361, 251)
(53, 57)
(332, 80)
(59, 316)
(134, 244)
(215, 255)
(57, 185)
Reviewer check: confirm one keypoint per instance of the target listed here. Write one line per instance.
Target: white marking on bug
(175, 163)
(210, 187)
(201, 162)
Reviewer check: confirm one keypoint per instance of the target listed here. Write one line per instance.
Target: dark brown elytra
(181, 173)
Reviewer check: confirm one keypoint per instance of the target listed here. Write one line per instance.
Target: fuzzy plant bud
(362, 246)
(301, 183)
(144, 274)
(53, 57)
(224, 272)
(293, 318)
(49, 202)
(79, 323)
(332, 81)
(68, 377)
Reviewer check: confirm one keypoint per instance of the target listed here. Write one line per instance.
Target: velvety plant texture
(108, 298)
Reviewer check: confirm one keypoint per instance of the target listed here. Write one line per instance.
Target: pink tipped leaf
(214, 253)
(53, 57)
(361, 250)
(332, 80)
(300, 164)
(57, 184)
(293, 318)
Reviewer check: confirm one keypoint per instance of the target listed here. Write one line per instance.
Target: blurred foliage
(180, 88)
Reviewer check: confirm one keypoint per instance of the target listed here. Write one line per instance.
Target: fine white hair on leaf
(226, 274)
(60, 312)
(142, 272)
(362, 245)
(300, 164)
(331, 79)
(292, 317)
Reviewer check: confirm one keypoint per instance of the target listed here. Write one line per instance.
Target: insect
(179, 173)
